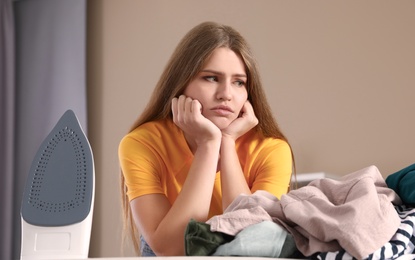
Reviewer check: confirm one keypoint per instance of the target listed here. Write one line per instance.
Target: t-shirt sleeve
(140, 167)
(274, 168)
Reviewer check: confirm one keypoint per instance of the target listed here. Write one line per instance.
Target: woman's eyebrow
(221, 73)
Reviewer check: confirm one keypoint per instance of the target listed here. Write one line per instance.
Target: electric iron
(58, 199)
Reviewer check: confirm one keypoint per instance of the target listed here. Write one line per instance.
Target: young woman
(206, 136)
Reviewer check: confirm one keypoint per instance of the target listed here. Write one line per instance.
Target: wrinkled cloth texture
(232, 222)
(403, 183)
(200, 241)
(355, 213)
(400, 247)
(265, 239)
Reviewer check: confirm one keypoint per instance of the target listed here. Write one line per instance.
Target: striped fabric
(400, 247)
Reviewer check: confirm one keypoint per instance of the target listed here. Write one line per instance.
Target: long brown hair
(185, 63)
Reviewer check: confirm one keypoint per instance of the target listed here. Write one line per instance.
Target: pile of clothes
(359, 216)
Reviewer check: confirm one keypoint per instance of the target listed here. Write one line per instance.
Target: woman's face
(220, 87)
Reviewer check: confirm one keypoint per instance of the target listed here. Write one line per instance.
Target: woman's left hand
(241, 125)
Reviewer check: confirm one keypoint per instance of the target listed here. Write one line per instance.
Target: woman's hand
(233, 181)
(187, 114)
(241, 125)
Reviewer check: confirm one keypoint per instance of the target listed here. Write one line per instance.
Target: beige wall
(340, 76)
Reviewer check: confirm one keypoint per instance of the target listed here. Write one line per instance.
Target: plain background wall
(340, 77)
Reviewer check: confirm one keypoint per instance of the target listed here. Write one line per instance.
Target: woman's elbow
(171, 248)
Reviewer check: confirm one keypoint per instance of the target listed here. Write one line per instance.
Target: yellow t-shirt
(155, 158)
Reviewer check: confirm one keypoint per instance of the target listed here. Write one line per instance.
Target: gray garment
(265, 239)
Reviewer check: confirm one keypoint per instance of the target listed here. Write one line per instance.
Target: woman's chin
(222, 122)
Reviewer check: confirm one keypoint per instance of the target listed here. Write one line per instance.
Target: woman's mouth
(222, 110)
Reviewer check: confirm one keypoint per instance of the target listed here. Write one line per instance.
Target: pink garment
(243, 212)
(354, 213)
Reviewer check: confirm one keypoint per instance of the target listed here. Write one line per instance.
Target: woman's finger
(181, 103)
(196, 107)
(174, 108)
(188, 105)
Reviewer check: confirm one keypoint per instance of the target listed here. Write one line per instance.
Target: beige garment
(354, 213)
(244, 211)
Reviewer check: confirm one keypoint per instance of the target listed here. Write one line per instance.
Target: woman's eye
(210, 78)
(240, 83)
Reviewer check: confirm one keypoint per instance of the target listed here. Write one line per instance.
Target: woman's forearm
(193, 201)
(232, 178)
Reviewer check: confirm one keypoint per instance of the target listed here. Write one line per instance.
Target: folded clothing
(200, 241)
(264, 239)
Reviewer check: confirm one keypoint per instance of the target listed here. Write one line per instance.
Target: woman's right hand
(187, 114)
(163, 225)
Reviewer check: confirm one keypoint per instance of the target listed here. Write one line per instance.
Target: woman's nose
(224, 91)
